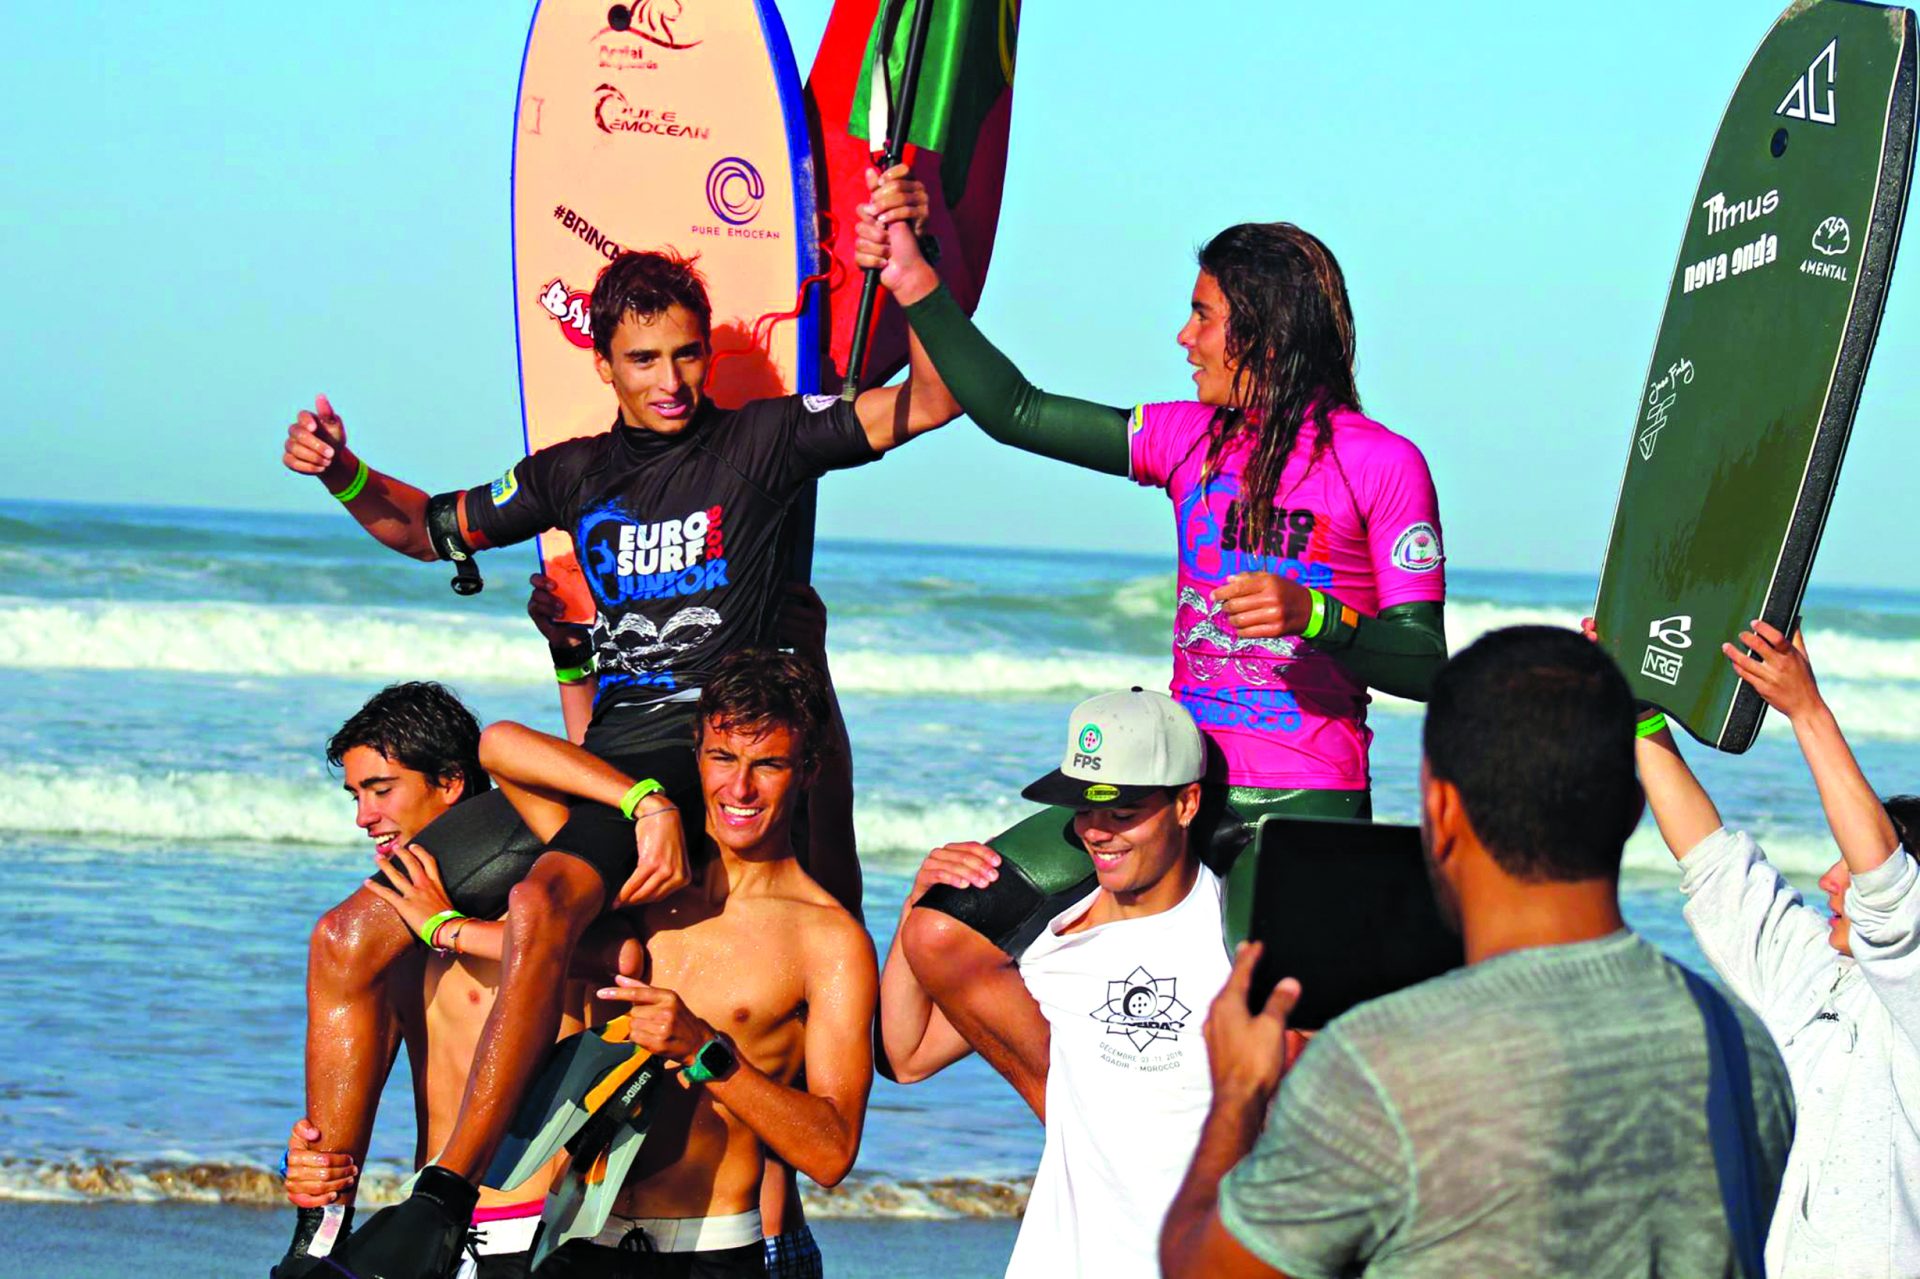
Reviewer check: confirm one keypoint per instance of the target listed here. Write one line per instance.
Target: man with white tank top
(1101, 1031)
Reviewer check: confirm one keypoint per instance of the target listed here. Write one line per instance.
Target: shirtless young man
(410, 754)
(751, 973)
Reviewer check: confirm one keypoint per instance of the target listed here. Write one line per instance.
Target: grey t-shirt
(1541, 1113)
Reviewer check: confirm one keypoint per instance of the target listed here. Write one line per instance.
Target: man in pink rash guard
(1360, 525)
(1310, 571)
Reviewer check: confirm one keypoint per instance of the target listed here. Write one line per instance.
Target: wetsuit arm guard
(1008, 407)
(1398, 652)
(443, 528)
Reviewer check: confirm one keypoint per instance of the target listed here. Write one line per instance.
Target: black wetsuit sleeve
(1398, 652)
(1008, 407)
(825, 434)
(528, 498)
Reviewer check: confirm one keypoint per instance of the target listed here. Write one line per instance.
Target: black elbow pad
(443, 530)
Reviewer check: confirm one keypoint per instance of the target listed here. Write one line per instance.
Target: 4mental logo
(1143, 1008)
(1832, 237)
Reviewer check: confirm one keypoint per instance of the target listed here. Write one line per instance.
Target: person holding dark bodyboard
(1771, 317)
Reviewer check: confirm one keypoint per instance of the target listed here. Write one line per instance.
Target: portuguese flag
(965, 72)
(958, 144)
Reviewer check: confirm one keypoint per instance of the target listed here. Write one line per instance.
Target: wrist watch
(715, 1060)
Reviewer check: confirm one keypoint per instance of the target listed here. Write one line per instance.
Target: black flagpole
(896, 143)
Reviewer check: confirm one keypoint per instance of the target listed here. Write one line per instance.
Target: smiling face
(1204, 338)
(1137, 848)
(392, 802)
(657, 369)
(750, 778)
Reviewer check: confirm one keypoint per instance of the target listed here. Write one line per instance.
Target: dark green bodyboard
(1750, 397)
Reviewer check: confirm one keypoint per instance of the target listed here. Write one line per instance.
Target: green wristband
(431, 926)
(1318, 621)
(352, 490)
(639, 792)
(1649, 726)
(574, 674)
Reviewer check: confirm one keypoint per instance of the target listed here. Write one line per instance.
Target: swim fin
(557, 1105)
(603, 1151)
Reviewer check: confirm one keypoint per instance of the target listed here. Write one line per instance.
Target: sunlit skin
(1204, 338)
(658, 370)
(751, 778)
(392, 802)
(1138, 851)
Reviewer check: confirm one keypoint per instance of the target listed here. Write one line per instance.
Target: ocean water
(168, 679)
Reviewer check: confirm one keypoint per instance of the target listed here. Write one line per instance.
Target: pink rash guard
(1361, 524)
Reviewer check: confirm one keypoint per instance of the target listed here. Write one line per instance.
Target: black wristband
(443, 530)
(571, 653)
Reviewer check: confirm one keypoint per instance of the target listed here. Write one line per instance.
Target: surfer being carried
(409, 756)
(749, 974)
(675, 514)
(1310, 571)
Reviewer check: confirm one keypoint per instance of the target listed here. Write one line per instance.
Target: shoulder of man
(830, 930)
(795, 407)
(1398, 1025)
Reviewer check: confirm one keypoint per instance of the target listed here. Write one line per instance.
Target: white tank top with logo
(1127, 1082)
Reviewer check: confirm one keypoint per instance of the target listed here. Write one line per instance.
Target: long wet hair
(1290, 327)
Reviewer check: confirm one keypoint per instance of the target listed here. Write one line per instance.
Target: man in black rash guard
(675, 515)
(1310, 571)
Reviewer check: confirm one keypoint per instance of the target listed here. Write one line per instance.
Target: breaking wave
(239, 808)
(1873, 682)
(235, 1181)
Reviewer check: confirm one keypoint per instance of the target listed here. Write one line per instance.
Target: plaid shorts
(794, 1255)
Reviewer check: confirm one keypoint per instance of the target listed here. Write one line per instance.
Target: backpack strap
(1732, 1127)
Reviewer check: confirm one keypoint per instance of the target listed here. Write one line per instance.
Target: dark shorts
(1044, 867)
(583, 1260)
(484, 849)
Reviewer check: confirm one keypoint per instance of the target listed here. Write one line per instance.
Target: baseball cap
(1122, 747)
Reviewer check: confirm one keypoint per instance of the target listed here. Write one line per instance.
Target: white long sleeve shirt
(1849, 1030)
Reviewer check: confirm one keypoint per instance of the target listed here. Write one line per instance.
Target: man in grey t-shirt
(1542, 1111)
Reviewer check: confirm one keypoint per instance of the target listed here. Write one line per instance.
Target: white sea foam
(1873, 682)
(173, 807)
(212, 808)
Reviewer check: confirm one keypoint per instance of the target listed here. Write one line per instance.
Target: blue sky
(207, 221)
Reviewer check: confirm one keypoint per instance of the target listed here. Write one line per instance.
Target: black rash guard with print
(679, 536)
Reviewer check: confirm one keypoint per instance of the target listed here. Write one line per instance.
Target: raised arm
(917, 1039)
(890, 224)
(1681, 806)
(1778, 670)
(984, 382)
(390, 509)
